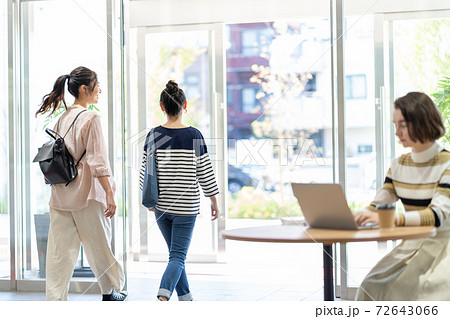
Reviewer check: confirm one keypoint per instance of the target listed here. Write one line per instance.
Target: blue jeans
(177, 231)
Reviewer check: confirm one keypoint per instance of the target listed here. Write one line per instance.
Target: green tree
(60, 111)
(442, 100)
(281, 84)
(423, 49)
(169, 62)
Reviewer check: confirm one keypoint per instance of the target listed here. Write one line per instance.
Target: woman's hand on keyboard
(362, 217)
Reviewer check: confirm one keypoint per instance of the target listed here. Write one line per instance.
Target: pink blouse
(85, 134)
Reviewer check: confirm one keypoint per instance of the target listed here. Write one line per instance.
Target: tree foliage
(60, 111)
(442, 100)
(423, 49)
(169, 62)
(282, 84)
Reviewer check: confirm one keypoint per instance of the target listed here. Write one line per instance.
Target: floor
(247, 271)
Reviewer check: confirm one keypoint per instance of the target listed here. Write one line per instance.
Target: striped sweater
(182, 163)
(422, 183)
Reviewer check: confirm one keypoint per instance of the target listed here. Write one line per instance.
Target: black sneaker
(116, 296)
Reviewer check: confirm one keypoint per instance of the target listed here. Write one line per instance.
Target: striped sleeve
(205, 176)
(440, 203)
(386, 194)
(437, 211)
(142, 170)
(423, 217)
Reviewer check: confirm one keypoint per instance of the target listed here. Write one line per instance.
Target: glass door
(191, 56)
(416, 46)
(406, 52)
(280, 122)
(5, 269)
(48, 48)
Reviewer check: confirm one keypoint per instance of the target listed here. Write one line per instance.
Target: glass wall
(360, 110)
(279, 114)
(387, 55)
(418, 57)
(58, 36)
(182, 55)
(4, 154)
(360, 116)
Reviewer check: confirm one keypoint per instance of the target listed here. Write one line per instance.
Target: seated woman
(415, 269)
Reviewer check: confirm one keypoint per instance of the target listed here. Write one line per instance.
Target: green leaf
(60, 111)
(442, 101)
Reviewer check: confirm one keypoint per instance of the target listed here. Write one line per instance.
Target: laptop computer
(325, 206)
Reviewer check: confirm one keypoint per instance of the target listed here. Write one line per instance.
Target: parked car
(238, 179)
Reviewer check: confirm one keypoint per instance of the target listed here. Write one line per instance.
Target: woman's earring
(185, 111)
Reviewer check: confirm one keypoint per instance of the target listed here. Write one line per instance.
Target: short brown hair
(422, 117)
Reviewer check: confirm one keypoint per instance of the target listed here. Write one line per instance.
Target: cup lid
(385, 206)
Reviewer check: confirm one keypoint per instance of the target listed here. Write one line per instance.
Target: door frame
(18, 131)
(384, 81)
(217, 80)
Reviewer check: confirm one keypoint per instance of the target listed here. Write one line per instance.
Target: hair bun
(171, 87)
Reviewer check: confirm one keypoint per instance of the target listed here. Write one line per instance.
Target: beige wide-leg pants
(67, 230)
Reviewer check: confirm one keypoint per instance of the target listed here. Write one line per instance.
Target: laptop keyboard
(369, 226)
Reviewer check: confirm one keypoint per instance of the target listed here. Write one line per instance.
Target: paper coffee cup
(386, 216)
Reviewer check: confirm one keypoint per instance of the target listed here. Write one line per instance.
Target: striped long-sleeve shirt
(422, 183)
(182, 163)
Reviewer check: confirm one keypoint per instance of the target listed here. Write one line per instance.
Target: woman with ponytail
(182, 163)
(81, 212)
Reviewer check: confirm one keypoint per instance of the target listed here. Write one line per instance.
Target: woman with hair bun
(81, 212)
(415, 269)
(182, 163)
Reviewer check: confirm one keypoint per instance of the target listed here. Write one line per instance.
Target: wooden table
(327, 237)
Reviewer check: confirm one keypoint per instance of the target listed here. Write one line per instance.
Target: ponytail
(78, 77)
(54, 99)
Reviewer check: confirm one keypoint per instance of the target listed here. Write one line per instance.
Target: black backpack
(56, 162)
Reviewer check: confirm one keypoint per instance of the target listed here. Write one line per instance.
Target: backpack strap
(73, 122)
(76, 165)
(52, 133)
(80, 158)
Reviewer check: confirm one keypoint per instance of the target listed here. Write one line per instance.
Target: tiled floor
(247, 272)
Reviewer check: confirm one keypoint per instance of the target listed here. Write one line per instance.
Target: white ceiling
(179, 12)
